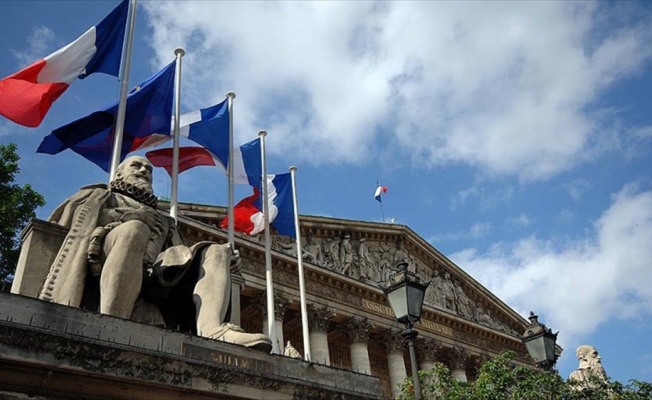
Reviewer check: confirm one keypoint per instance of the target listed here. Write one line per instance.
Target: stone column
(318, 319)
(280, 306)
(237, 282)
(429, 351)
(357, 330)
(393, 342)
(458, 359)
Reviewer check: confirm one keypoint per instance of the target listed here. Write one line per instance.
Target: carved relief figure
(312, 251)
(401, 254)
(464, 306)
(138, 267)
(346, 256)
(448, 293)
(483, 316)
(434, 291)
(332, 254)
(590, 371)
(364, 261)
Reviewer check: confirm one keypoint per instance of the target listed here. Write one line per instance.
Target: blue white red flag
(209, 127)
(247, 168)
(249, 217)
(27, 95)
(149, 110)
(379, 191)
(189, 157)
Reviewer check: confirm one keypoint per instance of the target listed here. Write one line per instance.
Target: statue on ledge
(590, 372)
(125, 259)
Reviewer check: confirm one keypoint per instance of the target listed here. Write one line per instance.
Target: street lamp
(405, 293)
(540, 342)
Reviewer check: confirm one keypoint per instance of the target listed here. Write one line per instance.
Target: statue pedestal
(41, 240)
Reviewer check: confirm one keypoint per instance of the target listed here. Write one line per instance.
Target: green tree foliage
(502, 379)
(17, 205)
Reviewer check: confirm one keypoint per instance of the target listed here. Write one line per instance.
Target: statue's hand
(148, 216)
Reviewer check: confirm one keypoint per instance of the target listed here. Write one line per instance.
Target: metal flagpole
(231, 226)
(271, 329)
(175, 147)
(125, 67)
(302, 287)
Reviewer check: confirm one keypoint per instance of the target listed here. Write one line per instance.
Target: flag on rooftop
(149, 111)
(379, 191)
(27, 95)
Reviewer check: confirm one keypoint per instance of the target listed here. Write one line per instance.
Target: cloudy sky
(515, 137)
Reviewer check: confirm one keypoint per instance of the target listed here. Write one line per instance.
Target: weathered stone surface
(55, 351)
(41, 240)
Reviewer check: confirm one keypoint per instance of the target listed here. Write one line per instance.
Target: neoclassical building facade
(351, 325)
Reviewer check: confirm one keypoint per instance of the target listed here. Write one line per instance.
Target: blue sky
(515, 137)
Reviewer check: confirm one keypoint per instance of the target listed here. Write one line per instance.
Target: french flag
(27, 95)
(148, 110)
(208, 127)
(248, 214)
(379, 191)
(189, 157)
(247, 160)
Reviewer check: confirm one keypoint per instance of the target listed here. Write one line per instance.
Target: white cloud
(568, 279)
(39, 44)
(488, 196)
(507, 87)
(521, 221)
(577, 187)
(476, 231)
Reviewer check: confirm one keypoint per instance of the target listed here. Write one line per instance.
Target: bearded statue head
(136, 171)
(590, 359)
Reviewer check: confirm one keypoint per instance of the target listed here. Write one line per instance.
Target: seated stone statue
(125, 259)
(590, 371)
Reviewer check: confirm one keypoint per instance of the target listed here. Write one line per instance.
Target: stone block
(41, 241)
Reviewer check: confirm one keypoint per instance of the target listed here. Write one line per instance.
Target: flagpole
(125, 68)
(302, 287)
(231, 226)
(175, 147)
(271, 329)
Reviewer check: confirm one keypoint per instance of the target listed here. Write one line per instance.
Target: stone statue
(464, 306)
(364, 261)
(433, 293)
(312, 251)
(331, 251)
(291, 351)
(401, 255)
(448, 293)
(125, 259)
(346, 256)
(590, 371)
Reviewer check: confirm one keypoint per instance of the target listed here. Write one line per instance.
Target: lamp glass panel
(536, 348)
(550, 347)
(415, 301)
(398, 302)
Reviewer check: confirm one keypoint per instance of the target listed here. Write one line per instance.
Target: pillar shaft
(397, 372)
(319, 348)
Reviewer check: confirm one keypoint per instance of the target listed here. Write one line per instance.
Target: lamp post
(405, 293)
(541, 343)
